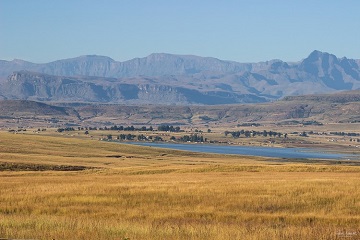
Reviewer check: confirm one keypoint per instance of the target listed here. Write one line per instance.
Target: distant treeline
(67, 129)
(249, 125)
(165, 128)
(142, 137)
(131, 137)
(345, 134)
(191, 138)
(252, 133)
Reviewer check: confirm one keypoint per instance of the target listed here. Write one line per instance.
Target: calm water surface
(253, 151)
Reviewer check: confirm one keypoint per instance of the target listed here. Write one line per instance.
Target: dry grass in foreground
(148, 193)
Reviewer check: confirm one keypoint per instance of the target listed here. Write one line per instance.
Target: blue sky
(243, 30)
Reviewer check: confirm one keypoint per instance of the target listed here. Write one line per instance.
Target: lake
(252, 151)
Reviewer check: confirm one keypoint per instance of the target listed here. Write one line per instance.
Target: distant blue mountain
(175, 79)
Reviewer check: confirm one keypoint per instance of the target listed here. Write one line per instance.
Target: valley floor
(118, 191)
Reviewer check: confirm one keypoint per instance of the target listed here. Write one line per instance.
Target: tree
(141, 137)
(130, 137)
(158, 139)
(303, 134)
(122, 137)
(265, 133)
(236, 134)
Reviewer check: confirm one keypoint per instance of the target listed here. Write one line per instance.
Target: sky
(244, 30)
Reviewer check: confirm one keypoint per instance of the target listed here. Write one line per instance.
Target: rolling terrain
(342, 107)
(175, 79)
(54, 186)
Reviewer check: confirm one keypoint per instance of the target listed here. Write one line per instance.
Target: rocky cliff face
(176, 79)
(43, 87)
(338, 107)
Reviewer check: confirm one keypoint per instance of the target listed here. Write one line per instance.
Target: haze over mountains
(175, 79)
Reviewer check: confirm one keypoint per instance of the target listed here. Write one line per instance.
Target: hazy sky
(243, 30)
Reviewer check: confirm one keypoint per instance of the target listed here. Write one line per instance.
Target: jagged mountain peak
(177, 78)
(318, 55)
(317, 63)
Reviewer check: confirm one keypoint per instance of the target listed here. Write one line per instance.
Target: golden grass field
(131, 192)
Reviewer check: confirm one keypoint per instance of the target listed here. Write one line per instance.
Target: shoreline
(285, 152)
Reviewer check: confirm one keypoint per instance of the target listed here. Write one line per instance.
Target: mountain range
(342, 107)
(175, 79)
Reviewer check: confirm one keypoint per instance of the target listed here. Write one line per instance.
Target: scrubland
(132, 192)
